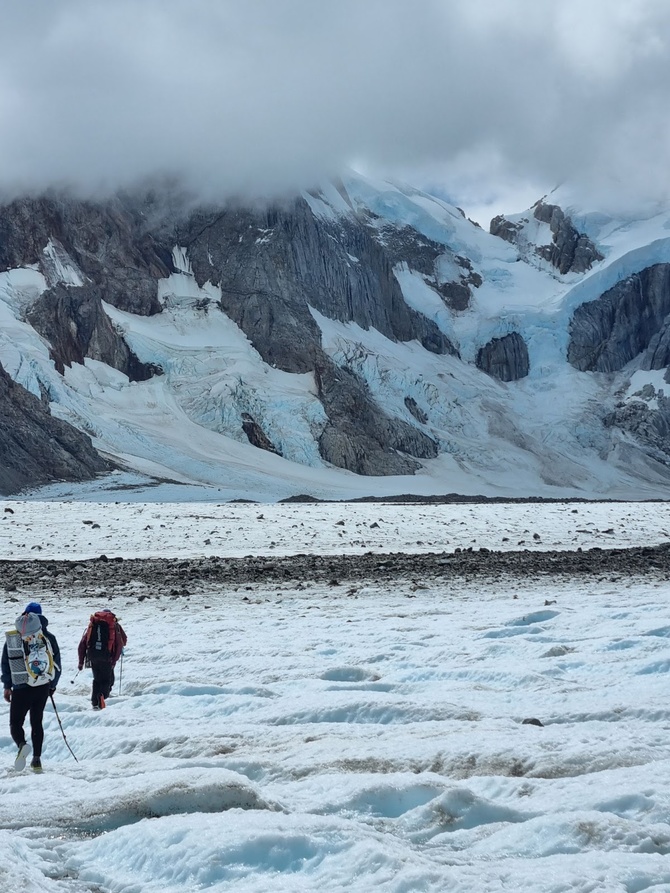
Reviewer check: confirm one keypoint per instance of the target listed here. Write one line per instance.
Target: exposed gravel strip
(178, 575)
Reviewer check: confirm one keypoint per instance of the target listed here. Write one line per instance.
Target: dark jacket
(120, 639)
(6, 674)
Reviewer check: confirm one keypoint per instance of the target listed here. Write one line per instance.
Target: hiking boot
(36, 764)
(22, 756)
(102, 703)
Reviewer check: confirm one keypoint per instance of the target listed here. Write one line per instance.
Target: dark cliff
(626, 320)
(569, 251)
(504, 358)
(35, 447)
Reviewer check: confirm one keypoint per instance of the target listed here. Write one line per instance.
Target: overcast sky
(493, 102)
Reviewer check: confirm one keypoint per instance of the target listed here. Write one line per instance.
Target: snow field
(296, 740)
(77, 530)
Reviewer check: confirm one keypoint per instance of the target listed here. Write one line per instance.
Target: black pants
(28, 701)
(103, 682)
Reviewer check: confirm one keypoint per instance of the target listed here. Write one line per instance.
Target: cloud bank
(266, 96)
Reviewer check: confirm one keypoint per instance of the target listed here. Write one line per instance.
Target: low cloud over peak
(267, 96)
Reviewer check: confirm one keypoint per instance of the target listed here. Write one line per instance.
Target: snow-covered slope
(370, 327)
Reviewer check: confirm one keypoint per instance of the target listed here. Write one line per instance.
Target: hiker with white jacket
(30, 673)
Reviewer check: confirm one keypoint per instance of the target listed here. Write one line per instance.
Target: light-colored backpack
(31, 656)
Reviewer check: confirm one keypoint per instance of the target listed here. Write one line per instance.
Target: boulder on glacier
(505, 358)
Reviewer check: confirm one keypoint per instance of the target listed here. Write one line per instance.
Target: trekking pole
(121, 673)
(61, 727)
(74, 677)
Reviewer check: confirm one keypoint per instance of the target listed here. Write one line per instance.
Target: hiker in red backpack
(100, 648)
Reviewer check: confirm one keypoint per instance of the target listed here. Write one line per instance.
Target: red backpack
(101, 638)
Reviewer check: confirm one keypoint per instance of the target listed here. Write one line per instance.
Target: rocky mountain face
(310, 284)
(271, 265)
(73, 322)
(568, 250)
(647, 426)
(630, 323)
(35, 447)
(110, 243)
(627, 321)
